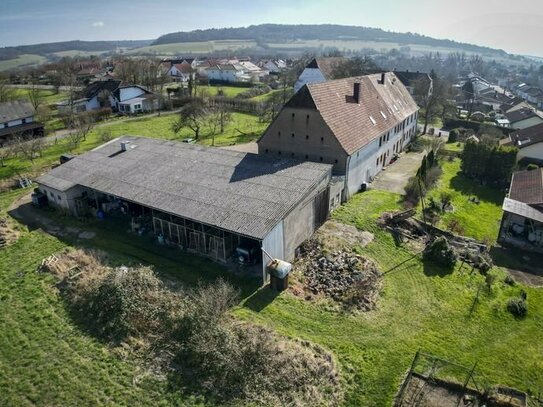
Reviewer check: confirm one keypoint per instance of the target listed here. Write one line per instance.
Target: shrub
(517, 306)
(432, 176)
(453, 137)
(120, 303)
(532, 167)
(509, 280)
(253, 92)
(441, 252)
(412, 191)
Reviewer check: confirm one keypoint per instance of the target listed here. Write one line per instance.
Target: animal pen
(436, 382)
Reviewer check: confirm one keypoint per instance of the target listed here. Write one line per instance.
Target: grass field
(228, 91)
(21, 61)
(78, 53)
(47, 360)
(480, 221)
(203, 47)
(154, 127)
(47, 96)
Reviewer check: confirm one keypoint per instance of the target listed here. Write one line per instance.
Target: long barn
(206, 200)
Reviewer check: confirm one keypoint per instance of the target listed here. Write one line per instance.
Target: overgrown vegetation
(440, 252)
(224, 359)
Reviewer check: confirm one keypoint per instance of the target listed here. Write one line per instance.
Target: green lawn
(228, 91)
(21, 61)
(481, 221)
(47, 96)
(154, 127)
(267, 96)
(47, 360)
(454, 147)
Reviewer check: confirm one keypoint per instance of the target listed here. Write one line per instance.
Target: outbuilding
(214, 202)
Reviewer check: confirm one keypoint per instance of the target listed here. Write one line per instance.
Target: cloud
(98, 24)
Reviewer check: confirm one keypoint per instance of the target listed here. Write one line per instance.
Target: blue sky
(516, 26)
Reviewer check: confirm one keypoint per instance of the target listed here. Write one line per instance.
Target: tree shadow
(470, 187)
(431, 269)
(261, 298)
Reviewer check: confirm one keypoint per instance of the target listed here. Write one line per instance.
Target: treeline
(269, 33)
(50, 48)
(488, 163)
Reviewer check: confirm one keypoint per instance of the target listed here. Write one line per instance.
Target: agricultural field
(22, 61)
(79, 53)
(192, 47)
(241, 129)
(421, 307)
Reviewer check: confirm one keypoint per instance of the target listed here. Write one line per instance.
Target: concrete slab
(394, 178)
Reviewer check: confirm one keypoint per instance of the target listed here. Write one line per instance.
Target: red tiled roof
(527, 187)
(380, 107)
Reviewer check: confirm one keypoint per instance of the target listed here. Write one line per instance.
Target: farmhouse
(522, 222)
(210, 201)
(181, 72)
(17, 117)
(355, 124)
(317, 71)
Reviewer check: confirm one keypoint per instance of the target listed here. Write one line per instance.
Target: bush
(532, 167)
(432, 176)
(412, 191)
(509, 280)
(121, 303)
(453, 137)
(517, 306)
(441, 252)
(237, 362)
(253, 92)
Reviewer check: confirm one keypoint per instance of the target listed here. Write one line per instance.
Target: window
(278, 134)
(307, 120)
(5, 125)
(59, 198)
(321, 159)
(292, 135)
(23, 121)
(377, 162)
(307, 136)
(335, 161)
(293, 115)
(279, 152)
(266, 151)
(380, 141)
(306, 157)
(322, 139)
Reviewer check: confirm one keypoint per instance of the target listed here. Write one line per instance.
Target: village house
(256, 73)
(227, 73)
(273, 66)
(129, 99)
(522, 221)
(529, 142)
(17, 118)
(317, 71)
(209, 201)
(412, 80)
(523, 118)
(355, 124)
(181, 73)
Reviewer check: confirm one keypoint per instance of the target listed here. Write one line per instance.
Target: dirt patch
(338, 235)
(8, 234)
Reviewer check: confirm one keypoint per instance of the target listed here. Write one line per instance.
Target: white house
(181, 72)
(274, 66)
(255, 72)
(17, 117)
(110, 93)
(317, 71)
(227, 73)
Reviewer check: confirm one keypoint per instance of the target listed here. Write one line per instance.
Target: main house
(17, 118)
(206, 200)
(112, 94)
(355, 124)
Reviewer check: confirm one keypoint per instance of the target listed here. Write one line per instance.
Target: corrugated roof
(240, 192)
(352, 122)
(17, 109)
(527, 187)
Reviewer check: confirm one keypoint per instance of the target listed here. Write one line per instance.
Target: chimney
(356, 92)
(382, 78)
(125, 145)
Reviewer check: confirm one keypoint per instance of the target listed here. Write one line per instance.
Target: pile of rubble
(343, 276)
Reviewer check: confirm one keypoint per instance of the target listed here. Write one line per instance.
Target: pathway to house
(395, 177)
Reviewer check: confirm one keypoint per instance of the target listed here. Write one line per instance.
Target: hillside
(281, 34)
(45, 49)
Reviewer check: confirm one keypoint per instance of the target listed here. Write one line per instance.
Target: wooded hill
(279, 33)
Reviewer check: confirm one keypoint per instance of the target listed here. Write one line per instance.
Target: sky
(515, 26)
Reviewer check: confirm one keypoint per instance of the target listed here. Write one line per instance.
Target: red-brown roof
(380, 108)
(527, 187)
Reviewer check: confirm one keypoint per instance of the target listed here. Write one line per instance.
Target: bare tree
(35, 96)
(7, 93)
(28, 146)
(193, 115)
(82, 126)
(7, 151)
(218, 118)
(431, 103)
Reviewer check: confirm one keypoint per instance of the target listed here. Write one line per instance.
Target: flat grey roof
(244, 193)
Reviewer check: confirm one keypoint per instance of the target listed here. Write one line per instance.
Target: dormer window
(373, 120)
